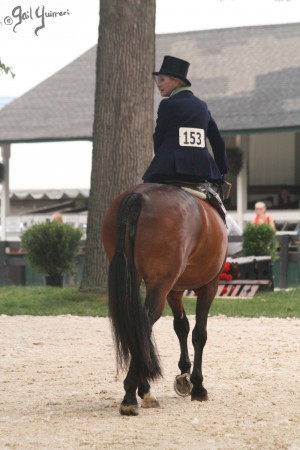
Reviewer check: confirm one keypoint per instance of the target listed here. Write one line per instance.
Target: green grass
(270, 304)
(50, 301)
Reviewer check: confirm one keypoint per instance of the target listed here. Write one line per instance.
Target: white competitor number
(191, 137)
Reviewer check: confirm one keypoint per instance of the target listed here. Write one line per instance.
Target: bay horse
(172, 241)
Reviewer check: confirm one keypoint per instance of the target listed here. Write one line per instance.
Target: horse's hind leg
(129, 405)
(181, 326)
(154, 305)
(148, 399)
(205, 296)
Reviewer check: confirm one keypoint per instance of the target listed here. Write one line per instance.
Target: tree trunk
(123, 120)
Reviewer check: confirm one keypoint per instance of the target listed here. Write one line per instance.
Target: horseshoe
(183, 385)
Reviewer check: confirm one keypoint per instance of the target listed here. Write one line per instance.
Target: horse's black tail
(131, 327)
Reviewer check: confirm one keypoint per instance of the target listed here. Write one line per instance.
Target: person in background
(285, 200)
(58, 217)
(183, 124)
(261, 216)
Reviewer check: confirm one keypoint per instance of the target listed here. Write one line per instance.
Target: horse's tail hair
(130, 323)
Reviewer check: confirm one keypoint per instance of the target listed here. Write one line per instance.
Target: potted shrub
(52, 248)
(259, 240)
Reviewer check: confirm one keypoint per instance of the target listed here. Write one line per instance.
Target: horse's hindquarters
(170, 239)
(181, 241)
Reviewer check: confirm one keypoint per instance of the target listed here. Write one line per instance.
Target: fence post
(2, 263)
(284, 258)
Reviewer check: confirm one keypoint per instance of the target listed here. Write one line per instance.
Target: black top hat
(174, 67)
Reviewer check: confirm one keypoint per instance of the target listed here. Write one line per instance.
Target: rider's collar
(180, 89)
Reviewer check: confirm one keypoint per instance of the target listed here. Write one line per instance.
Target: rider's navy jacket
(188, 113)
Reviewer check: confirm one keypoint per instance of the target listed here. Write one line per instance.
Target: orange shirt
(257, 220)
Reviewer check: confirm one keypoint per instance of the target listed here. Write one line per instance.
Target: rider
(182, 126)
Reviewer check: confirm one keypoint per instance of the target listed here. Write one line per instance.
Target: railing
(11, 257)
(14, 266)
(288, 252)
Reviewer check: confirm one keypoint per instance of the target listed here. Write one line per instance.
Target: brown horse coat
(173, 241)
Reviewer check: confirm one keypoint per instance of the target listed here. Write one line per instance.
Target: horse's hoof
(183, 385)
(149, 401)
(129, 410)
(199, 395)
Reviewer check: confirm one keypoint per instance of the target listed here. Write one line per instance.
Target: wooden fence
(288, 252)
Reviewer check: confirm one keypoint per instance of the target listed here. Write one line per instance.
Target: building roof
(37, 201)
(51, 194)
(60, 108)
(249, 76)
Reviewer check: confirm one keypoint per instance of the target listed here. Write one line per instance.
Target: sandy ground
(59, 390)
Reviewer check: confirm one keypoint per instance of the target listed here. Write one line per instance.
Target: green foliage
(51, 247)
(259, 240)
(6, 69)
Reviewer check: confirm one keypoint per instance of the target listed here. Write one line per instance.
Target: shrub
(259, 240)
(51, 247)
